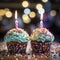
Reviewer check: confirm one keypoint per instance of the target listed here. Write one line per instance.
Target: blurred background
(28, 16)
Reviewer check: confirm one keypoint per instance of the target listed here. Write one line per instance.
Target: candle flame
(16, 14)
(41, 16)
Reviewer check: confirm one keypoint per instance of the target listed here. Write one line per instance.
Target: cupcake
(16, 41)
(41, 38)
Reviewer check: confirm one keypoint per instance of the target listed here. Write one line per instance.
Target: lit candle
(16, 21)
(41, 12)
(41, 22)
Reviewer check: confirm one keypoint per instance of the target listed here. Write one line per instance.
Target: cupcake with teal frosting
(41, 39)
(16, 41)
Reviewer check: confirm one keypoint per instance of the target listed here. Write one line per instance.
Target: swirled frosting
(16, 36)
(42, 34)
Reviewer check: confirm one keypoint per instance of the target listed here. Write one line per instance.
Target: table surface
(19, 57)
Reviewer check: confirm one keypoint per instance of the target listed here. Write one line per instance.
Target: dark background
(53, 24)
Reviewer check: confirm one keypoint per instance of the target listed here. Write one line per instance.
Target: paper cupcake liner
(16, 48)
(39, 47)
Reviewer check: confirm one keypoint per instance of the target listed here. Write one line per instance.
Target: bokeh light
(32, 14)
(41, 11)
(53, 13)
(44, 1)
(38, 6)
(2, 12)
(1, 18)
(21, 25)
(27, 21)
(8, 14)
(25, 4)
(5, 22)
(27, 11)
(7, 25)
(26, 18)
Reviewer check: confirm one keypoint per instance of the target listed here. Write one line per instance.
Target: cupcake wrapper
(39, 47)
(16, 48)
